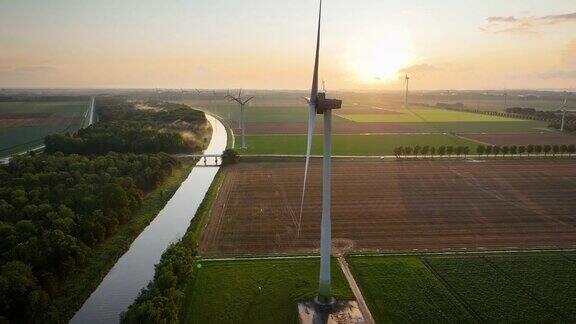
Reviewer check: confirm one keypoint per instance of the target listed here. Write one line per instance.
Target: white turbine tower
(318, 104)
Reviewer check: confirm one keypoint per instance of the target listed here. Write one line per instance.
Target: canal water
(135, 268)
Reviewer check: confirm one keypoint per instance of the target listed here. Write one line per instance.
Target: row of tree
(431, 150)
(54, 209)
(525, 149)
(125, 128)
(495, 150)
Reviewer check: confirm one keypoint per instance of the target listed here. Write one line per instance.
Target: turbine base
(337, 312)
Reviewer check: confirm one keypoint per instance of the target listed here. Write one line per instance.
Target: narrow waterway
(135, 268)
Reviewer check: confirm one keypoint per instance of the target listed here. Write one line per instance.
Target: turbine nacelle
(322, 103)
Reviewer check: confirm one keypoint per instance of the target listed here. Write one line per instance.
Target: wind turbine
(564, 110)
(407, 80)
(318, 104)
(242, 102)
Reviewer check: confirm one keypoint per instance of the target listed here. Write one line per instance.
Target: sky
(269, 44)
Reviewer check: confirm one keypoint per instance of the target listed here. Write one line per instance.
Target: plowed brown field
(396, 206)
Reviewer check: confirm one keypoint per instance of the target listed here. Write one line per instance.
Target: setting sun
(380, 57)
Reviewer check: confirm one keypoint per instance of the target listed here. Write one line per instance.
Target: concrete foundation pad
(341, 312)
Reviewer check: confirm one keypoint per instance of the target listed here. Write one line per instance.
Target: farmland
(255, 291)
(423, 115)
(425, 205)
(347, 145)
(488, 287)
(24, 124)
(279, 113)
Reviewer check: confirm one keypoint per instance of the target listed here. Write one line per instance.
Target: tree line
(125, 128)
(54, 209)
(486, 150)
(431, 150)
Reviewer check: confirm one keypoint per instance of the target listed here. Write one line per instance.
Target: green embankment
(83, 282)
(357, 145)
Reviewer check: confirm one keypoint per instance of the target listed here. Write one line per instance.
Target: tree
(530, 149)
(433, 151)
(571, 149)
(466, 150)
(521, 149)
(407, 150)
(538, 149)
(442, 150)
(231, 156)
(489, 149)
(496, 150)
(514, 149)
(416, 150)
(564, 149)
(459, 150)
(398, 151)
(425, 150)
(480, 149)
(505, 149)
(555, 149)
(449, 150)
(547, 149)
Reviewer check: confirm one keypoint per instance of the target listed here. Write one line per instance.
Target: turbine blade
(311, 125)
(314, 91)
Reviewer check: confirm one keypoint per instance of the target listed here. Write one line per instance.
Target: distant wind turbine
(407, 80)
(564, 110)
(318, 104)
(242, 102)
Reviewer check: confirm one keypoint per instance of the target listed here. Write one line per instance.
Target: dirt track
(396, 206)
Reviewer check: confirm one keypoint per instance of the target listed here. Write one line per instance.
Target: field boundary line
(356, 290)
(523, 289)
(457, 296)
(432, 253)
(256, 258)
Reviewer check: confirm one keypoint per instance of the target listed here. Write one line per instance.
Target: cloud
(419, 68)
(526, 24)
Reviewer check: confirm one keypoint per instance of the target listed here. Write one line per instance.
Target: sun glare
(380, 57)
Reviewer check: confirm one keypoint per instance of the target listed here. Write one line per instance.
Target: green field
(403, 290)
(44, 118)
(513, 288)
(358, 145)
(489, 288)
(255, 291)
(426, 115)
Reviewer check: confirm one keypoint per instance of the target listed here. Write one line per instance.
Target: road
(356, 290)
